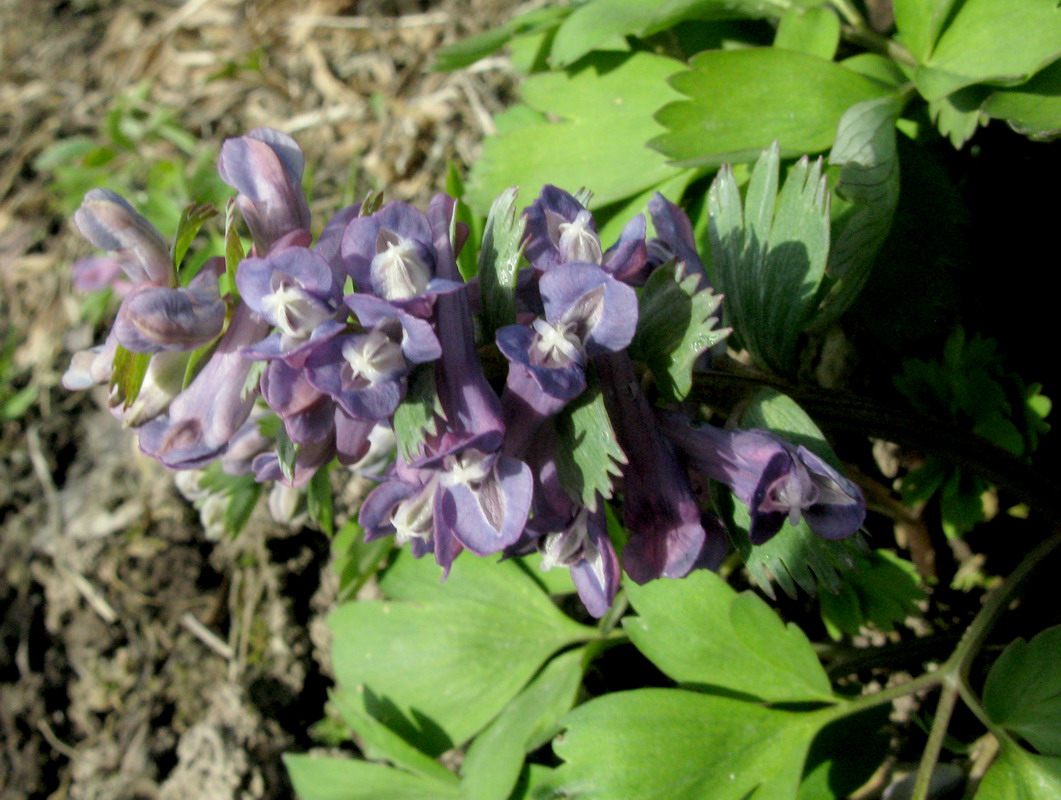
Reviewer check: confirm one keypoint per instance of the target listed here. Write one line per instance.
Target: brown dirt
(138, 658)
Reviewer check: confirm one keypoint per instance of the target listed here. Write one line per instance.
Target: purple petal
(602, 310)
(675, 230)
(107, 220)
(154, 318)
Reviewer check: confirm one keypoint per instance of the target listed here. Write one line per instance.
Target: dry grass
(138, 660)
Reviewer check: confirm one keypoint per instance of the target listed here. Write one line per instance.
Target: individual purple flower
(560, 230)
(204, 417)
(155, 318)
(307, 413)
(265, 167)
(587, 312)
(365, 373)
(295, 291)
(107, 220)
(674, 239)
(391, 254)
(571, 535)
(668, 535)
(777, 480)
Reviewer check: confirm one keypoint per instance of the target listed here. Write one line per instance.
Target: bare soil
(138, 657)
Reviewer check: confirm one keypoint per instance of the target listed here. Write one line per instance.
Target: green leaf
(286, 453)
(241, 493)
(1019, 775)
(437, 662)
(920, 22)
(234, 252)
(330, 778)
(770, 255)
(740, 101)
(1034, 108)
(354, 560)
(1023, 690)
(869, 181)
(675, 324)
(319, 500)
(795, 556)
(417, 415)
(814, 31)
(605, 110)
(669, 744)
(494, 761)
(380, 743)
(586, 451)
(603, 23)
(957, 116)
(1004, 42)
(835, 769)
(881, 590)
(467, 51)
(701, 633)
(128, 375)
(192, 219)
(467, 262)
(499, 260)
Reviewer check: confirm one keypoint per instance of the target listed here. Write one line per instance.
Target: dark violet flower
(587, 312)
(675, 239)
(560, 230)
(307, 412)
(572, 536)
(391, 255)
(265, 167)
(107, 220)
(365, 373)
(776, 480)
(668, 535)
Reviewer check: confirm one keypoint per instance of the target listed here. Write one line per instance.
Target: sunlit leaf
(499, 263)
(702, 633)
(331, 778)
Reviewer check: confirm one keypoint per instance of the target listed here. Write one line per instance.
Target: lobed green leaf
(1023, 690)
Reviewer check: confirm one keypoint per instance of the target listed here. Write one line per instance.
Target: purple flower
(391, 254)
(107, 220)
(204, 417)
(364, 373)
(776, 480)
(668, 536)
(155, 318)
(265, 167)
(294, 290)
(587, 312)
(675, 239)
(560, 230)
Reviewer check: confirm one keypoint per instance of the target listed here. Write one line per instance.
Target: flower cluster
(334, 365)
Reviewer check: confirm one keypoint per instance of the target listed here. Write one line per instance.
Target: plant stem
(947, 699)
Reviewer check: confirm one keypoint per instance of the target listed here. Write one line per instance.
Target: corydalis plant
(497, 466)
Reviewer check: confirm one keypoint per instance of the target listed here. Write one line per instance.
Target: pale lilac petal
(107, 220)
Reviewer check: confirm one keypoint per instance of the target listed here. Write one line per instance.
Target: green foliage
(971, 388)
(239, 492)
(428, 661)
(112, 157)
(470, 50)
(1020, 775)
(740, 101)
(670, 744)
(605, 116)
(14, 402)
(495, 759)
(319, 501)
(416, 416)
(1023, 691)
(773, 246)
(814, 31)
(588, 457)
(354, 560)
(192, 219)
(675, 325)
(700, 632)
(499, 261)
(867, 192)
(128, 375)
(331, 778)
(880, 590)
